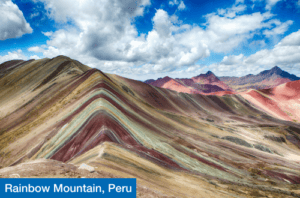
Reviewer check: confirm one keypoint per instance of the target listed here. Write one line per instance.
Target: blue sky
(144, 39)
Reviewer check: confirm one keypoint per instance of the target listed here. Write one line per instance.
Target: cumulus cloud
(34, 57)
(226, 32)
(16, 55)
(286, 54)
(13, 56)
(291, 40)
(103, 35)
(35, 49)
(13, 23)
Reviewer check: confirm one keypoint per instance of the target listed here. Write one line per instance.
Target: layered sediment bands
(172, 142)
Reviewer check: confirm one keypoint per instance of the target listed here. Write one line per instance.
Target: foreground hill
(265, 79)
(175, 144)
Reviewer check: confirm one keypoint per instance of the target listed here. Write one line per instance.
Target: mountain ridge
(265, 79)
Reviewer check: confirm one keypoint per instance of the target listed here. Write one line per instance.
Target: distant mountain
(149, 81)
(265, 79)
(211, 79)
(160, 81)
(172, 84)
(202, 84)
(209, 83)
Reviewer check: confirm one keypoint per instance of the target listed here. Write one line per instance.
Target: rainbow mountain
(60, 113)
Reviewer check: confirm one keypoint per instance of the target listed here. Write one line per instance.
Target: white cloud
(231, 12)
(16, 55)
(181, 6)
(162, 23)
(48, 33)
(13, 23)
(13, 56)
(281, 28)
(79, 11)
(33, 15)
(292, 39)
(238, 25)
(35, 49)
(258, 44)
(271, 3)
(173, 2)
(226, 33)
(231, 60)
(239, 1)
(286, 54)
(104, 36)
(34, 57)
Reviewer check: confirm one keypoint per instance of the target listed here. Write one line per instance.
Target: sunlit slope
(60, 109)
(282, 101)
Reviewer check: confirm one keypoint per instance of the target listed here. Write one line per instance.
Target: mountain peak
(161, 81)
(166, 78)
(62, 57)
(209, 73)
(276, 69)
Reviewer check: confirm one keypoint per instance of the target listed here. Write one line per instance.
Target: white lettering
(38, 189)
(45, 188)
(130, 190)
(8, 187)
(118, 189)
(30, 188)
(111, 187)
(58, 189)
(66, 189)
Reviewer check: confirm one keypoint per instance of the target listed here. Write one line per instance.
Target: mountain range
(209, 83)
(265, 79)
(202, 84)
(57, 115)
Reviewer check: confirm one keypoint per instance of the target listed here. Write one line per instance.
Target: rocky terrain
(57, 115)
